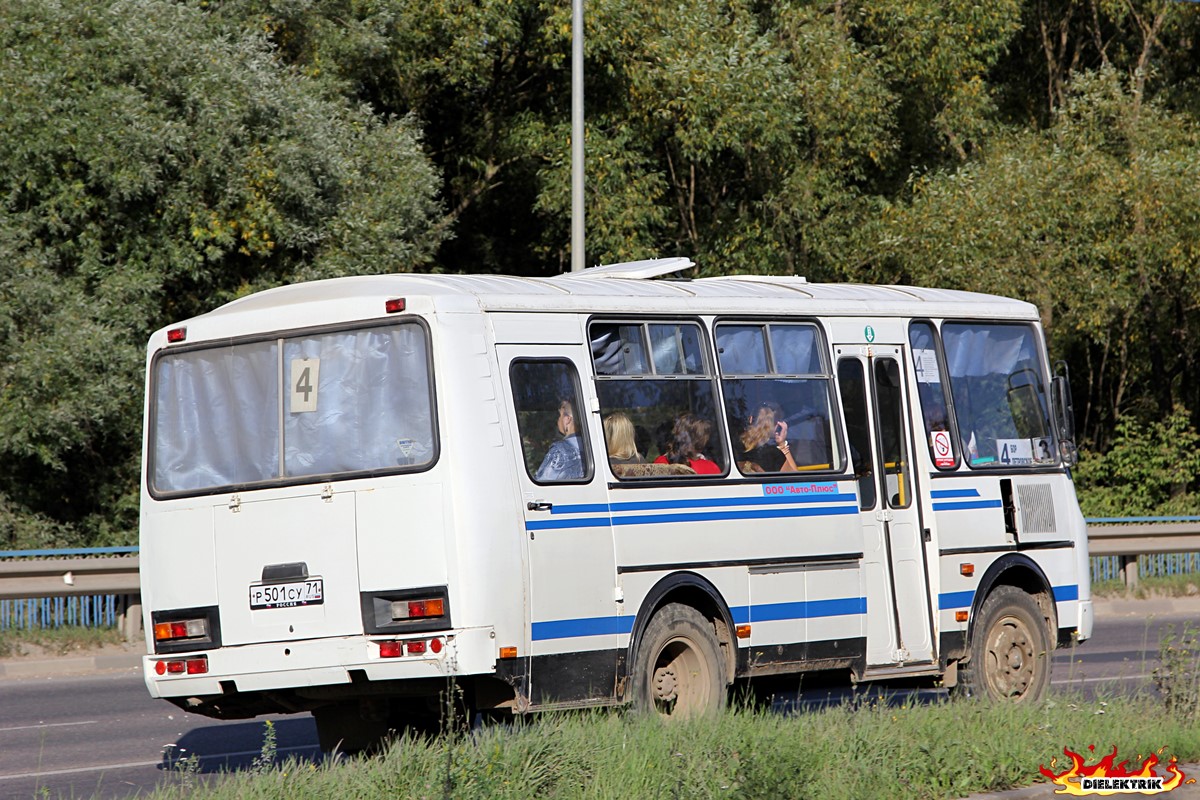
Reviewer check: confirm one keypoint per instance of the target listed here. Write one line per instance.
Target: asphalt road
(103, 736)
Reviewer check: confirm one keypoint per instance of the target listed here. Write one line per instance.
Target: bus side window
(853, 385)
(553, 430)
(653, 377)
(931, 390)
(777, 396)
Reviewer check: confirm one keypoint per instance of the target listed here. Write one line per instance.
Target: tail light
(180, 629)
(183, 666)
(412, 647)
(423, 608)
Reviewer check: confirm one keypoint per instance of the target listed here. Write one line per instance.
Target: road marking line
(1108, 678)
(49, 725)
(158, 762)
(51, 772)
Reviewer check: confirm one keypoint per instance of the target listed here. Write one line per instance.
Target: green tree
(153, 164)
(1149, 470)
(1094, 220)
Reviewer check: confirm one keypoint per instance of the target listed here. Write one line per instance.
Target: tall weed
(912, 750)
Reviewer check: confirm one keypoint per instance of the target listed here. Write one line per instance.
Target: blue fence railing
(1157, 565)
(87, 611)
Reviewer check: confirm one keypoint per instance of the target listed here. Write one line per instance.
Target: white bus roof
(626, 288)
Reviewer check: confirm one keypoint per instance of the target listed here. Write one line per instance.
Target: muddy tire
(1009, 650)
(679, 670)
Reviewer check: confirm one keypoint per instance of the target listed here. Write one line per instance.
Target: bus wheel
(1010, 652)
(342, 727)
(679, 671)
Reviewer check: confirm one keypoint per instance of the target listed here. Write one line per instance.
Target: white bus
(600, 488)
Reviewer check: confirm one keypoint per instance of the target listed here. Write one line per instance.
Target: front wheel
(1009, 649)
(679, 671)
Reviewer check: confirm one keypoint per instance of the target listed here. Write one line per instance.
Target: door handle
(539, 505)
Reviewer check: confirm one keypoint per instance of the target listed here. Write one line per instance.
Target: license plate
(310, 592)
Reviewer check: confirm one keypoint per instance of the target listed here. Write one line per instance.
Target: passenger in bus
(564, 459)
(765, 442)
(621, 440)
(689, 437)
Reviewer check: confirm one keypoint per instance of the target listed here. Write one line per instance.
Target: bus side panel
(178, 560)
(785, 555)
(968, 512)
(481, 502)
(401, 537)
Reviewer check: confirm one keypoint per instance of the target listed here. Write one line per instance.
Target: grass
(55, 641)
(943, 750)
(1179, 585)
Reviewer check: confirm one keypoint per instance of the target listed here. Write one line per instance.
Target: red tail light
(417, 609)
(181, 629)
(182, 666)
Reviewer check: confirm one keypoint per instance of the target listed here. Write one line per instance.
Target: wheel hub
(1011, 659)
(666, 686)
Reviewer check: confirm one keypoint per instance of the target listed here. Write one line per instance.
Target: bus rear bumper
(318, 662)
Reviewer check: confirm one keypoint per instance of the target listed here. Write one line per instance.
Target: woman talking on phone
(764, 443)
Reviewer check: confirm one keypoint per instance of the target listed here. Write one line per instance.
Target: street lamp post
(577, 229)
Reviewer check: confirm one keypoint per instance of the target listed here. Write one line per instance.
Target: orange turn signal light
(961, 616)
(508, 652)
(743, 631)
(966, 570)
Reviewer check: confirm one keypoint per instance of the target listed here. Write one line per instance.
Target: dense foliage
(158, 158)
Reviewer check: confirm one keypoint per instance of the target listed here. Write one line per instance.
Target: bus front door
(573, 615)
(876, 410)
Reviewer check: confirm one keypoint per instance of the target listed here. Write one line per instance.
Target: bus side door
(876, 411)
(573, 612)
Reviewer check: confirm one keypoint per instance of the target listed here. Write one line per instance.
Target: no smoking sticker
(943, 452)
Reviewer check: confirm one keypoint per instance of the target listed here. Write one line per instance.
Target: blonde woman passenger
(621, 439)
(765, 444)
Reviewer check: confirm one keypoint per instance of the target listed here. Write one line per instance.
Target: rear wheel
(1009, 649)
(343, 728)
(679, 671)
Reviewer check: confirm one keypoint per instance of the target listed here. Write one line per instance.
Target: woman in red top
(689, 437)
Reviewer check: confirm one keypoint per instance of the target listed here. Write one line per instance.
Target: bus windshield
(328, 403)
(999, 396)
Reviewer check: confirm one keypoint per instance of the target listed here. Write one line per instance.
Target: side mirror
(1064, 413)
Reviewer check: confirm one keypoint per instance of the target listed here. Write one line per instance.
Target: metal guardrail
(28, 574)
(114, 570)
(1129, 537)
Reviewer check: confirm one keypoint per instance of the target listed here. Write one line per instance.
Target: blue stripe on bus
(577, 522)
(705, 516)
(940, 493)
(948, 600)
(581, 508)
(707, 502)
(960, 506)
(720, 516)
(951, 600)
(810, 609)
(771, 612)
(1063, 594)
(588, 626)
